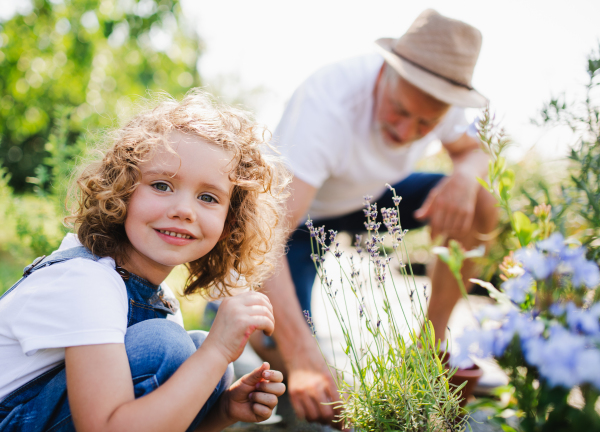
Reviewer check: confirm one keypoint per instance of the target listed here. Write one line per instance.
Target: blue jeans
(413, 190)
(155, 349)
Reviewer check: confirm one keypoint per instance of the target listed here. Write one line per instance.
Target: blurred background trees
(92, 55)
(68, 70)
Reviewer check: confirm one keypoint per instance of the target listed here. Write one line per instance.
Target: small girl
(83, 334)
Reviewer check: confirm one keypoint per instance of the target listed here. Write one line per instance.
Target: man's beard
(383, 133)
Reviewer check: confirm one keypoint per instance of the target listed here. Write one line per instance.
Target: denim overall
(155, 348)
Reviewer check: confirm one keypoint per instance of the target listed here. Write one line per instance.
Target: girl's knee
(227, 378)
(198, 337)
(157, 347)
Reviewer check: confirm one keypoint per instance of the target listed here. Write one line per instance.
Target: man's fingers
(298, 407)
(305, 407)
(436, 224)
(424, 211)
(327, 413)
(313, 411)
(466, 224)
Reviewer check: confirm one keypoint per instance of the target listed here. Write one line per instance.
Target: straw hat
(437, 54)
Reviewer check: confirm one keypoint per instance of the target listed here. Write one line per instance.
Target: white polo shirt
(326, 136)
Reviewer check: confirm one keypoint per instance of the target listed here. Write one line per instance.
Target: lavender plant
(395, 379)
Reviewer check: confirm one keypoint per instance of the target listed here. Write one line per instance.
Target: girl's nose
(182, 209)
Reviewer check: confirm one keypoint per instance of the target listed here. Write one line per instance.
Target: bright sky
(532, 49)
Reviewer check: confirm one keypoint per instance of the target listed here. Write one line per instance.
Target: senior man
(349, 129)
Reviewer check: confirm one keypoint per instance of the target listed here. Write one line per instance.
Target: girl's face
(178, 211)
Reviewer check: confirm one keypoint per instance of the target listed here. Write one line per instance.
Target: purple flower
(517, 288)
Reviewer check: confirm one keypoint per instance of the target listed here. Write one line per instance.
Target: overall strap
(60, 256)
(56, 257)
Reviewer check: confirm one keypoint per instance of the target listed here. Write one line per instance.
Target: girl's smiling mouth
(175, 236)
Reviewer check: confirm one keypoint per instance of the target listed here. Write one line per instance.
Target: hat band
(450, 80)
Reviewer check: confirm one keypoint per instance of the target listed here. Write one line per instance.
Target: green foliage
(33, 223)
(92, 55)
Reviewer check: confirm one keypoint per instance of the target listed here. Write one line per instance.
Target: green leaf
(508, 179)
(523, 228)
(483, 183)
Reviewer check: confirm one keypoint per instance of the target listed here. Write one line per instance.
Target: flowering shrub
(545, 327)
(396, 380)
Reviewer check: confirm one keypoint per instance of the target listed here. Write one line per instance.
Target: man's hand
(450, 206)
(312, 391)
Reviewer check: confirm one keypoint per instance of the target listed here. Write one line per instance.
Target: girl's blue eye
(163, 187)
(207, 198)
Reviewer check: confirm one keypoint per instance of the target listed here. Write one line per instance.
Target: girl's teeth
(174, 234)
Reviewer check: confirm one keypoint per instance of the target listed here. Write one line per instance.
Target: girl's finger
(262, 412)
(270, 387)
(261, 310)
(256, 375)
(273, 376)
(256, 298)
(266, 399)
(261, 322)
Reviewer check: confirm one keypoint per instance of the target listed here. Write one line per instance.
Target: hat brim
(429, 83)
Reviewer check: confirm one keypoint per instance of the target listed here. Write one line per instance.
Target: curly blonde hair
(254, 231)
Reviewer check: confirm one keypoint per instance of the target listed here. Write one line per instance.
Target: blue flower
(478, 343)
(587, 367)
(536, 263)
(554, 244)
(557, 309)
(523, 325)
(585, 321)
(585, 273)
(557, 357)
(517, 288)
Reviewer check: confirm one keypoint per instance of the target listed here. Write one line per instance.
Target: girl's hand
(252, 398)
(238, 317)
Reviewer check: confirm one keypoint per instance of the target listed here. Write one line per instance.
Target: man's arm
(450, 206)
(309, 381)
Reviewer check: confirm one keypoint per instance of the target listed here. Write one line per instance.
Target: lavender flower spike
(309, 321)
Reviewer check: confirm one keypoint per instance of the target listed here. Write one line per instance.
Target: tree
(92, 55)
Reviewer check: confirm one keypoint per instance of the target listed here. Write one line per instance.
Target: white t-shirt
(72, 303)
(326, 137)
